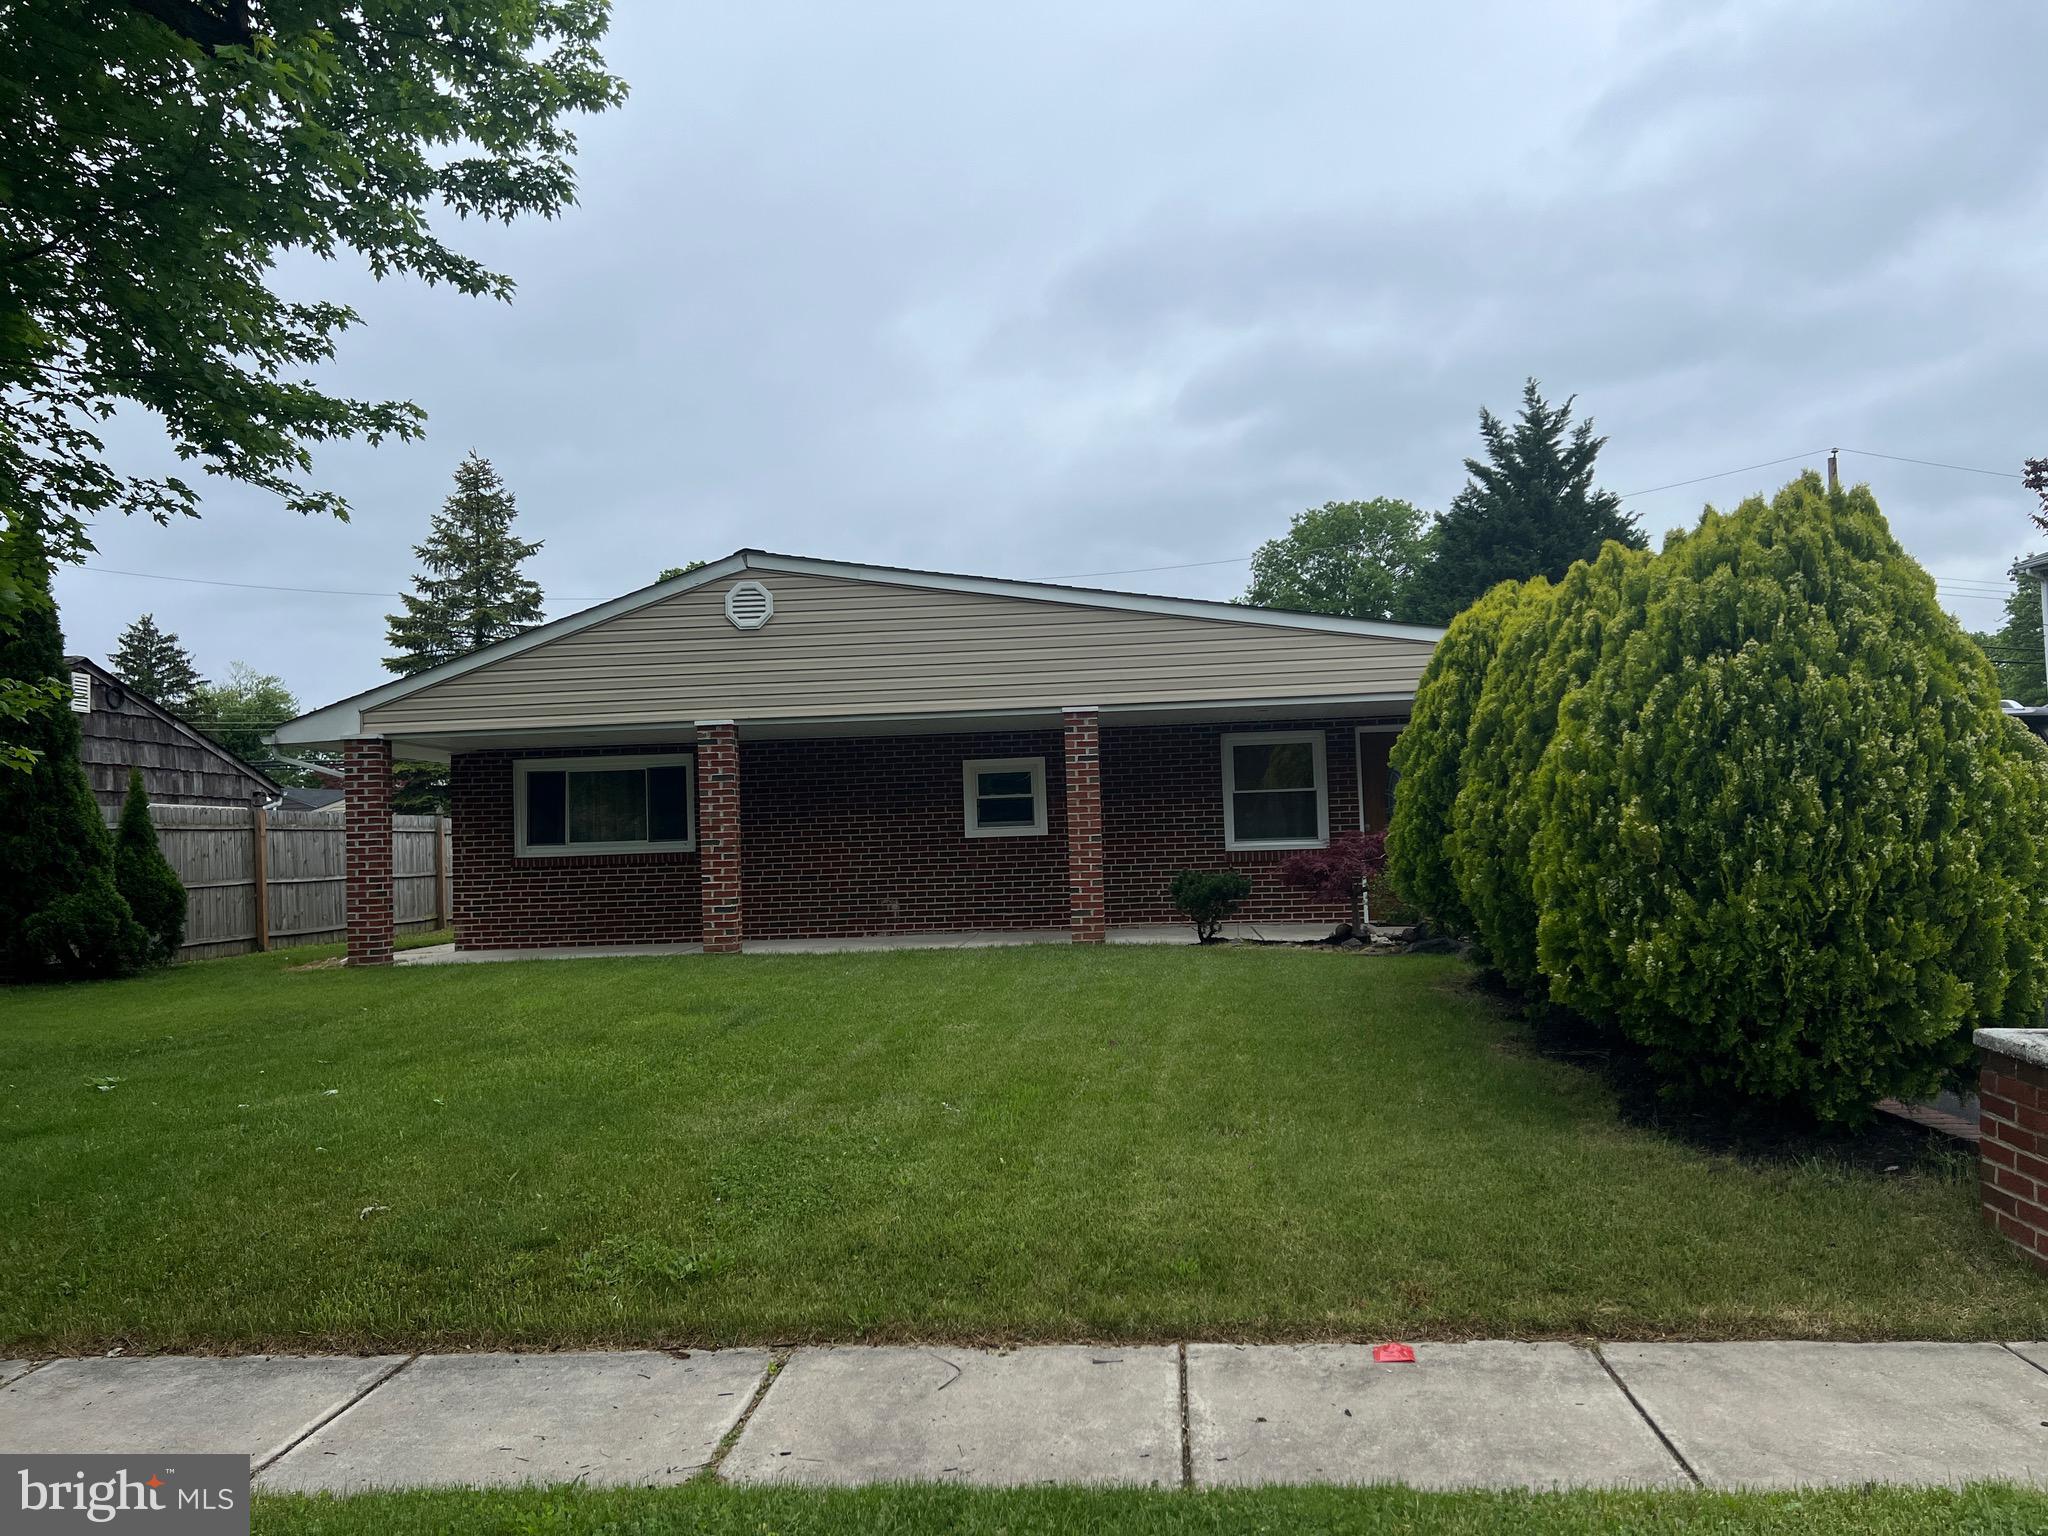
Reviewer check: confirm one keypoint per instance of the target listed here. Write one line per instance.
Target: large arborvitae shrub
(1787, 840)
(145, 879)
(1545, 650)
(1430, 752)
(59, 912)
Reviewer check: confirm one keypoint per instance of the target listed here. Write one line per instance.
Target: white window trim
(1376, 728)
(527, 765)
(1235, 739)
(1035, 766)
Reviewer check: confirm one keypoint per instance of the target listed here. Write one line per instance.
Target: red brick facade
(2012, 1155)
(865, 835)
(366, 767)
(719, 838)
(506, 902)
(1162, 812)
(1087, 912)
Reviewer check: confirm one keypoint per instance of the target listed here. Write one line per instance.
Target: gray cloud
(1081, 289)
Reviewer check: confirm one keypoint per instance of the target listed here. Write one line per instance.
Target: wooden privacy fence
(256, 879)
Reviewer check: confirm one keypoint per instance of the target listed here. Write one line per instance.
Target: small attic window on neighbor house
(749, 605)
(81, 693)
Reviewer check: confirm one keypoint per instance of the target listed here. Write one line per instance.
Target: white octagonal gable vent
(749, 605)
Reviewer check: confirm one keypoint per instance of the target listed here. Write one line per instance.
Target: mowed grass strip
(1018, 1144)
(706, 1509)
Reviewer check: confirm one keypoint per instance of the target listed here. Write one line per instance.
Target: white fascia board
(1091, 597)
(340, 721)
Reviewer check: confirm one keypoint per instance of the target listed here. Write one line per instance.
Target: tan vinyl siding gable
(840, 647)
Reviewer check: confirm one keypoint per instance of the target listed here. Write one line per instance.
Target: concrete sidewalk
(1204, 1415)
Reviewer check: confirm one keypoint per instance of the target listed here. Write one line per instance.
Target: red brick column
(1087, 919)
(2012, 1155)
(718, 833)
(366, 765)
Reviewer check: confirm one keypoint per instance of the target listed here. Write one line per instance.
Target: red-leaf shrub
(1339, 871)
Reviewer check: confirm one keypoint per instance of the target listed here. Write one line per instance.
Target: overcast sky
(1052, 290)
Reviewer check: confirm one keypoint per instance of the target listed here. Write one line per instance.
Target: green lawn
(1041, 1143)
(709, 1509)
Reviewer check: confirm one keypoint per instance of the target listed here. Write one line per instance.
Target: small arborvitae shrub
(1545, 650)
(85, 933)
(1788, 842)
(1430, 752)
(1207, 897)
(145, 879)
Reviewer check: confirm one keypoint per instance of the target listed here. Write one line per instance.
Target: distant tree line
(1529, 508)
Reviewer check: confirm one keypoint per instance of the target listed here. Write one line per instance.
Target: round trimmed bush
(1429, 753)
(1787, 840)
(1545, 650)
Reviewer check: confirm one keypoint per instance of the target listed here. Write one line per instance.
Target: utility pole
(1834, 478)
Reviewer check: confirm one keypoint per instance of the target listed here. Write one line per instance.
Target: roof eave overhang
(428, 741)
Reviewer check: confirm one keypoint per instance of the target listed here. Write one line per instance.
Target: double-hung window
(578, 805)
(1275, 790)
(1003, 796)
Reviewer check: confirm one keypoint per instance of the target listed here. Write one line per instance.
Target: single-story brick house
(776, 747)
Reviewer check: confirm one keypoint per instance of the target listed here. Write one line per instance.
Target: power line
(1723, 474)
(1968, 469)
(1145, 570)
(246, 586)
(1135, 570)
(264, 586)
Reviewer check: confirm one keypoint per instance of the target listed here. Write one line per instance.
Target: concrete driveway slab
(9, 1369)
(1060, 1414)
(2034, 1353)
(1801, 1415)
(1484, 1415)
(636, 1417)
(253, 1405)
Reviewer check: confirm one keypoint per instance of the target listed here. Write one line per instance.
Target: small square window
(1003, 797)
(1275, 790)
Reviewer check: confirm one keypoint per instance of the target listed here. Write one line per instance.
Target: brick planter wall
(503, 902)
(1162, 812)
(2012, 1154)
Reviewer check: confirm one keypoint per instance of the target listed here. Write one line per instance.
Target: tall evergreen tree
(151, 660)
(473, 592)
(59, 911)
(1529, 509)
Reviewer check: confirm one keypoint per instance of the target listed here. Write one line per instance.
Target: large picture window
(576, 805)
(1003, 796)
(1275, 790)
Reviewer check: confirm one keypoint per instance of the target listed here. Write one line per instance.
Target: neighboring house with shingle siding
(778, 747)
(122, 729)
